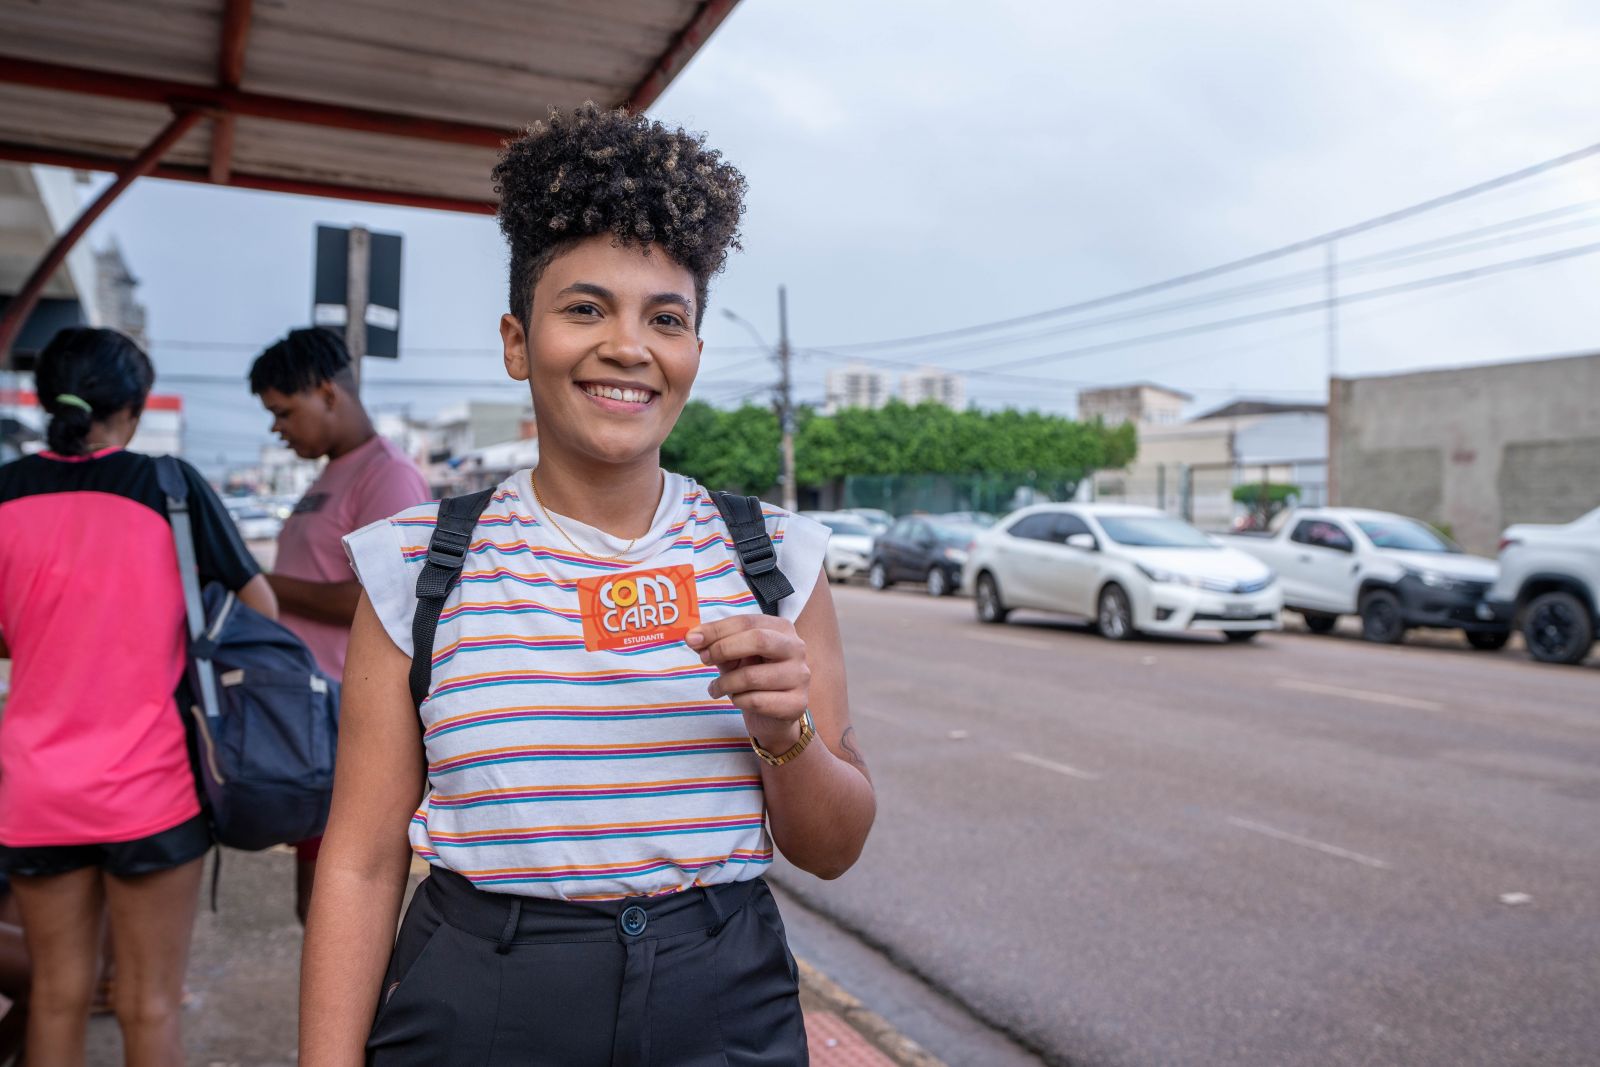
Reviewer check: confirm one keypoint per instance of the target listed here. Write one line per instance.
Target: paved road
(1183, 852)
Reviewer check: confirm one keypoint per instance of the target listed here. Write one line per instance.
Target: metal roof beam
(21, 305)
(50, 157)
(676, 57)
(230, 74)
(253, 105)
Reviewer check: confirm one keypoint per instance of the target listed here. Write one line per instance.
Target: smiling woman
(614, 735)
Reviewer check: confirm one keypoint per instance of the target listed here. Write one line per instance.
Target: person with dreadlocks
(613, 735)
(307, 383)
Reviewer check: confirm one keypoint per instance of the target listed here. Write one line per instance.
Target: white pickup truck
(1550, 585)
(1394, 572)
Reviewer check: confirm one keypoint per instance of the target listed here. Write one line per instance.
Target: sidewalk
(244, 973)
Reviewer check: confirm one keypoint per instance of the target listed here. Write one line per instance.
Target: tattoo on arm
(848, 742)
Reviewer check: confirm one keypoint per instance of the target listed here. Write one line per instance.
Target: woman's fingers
(762, 677)
(767, 643)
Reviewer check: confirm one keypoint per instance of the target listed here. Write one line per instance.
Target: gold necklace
(551, 516)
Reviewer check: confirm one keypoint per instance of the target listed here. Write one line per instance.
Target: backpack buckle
(448, 549)
(757, 554)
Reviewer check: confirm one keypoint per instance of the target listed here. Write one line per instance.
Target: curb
(866, 1022)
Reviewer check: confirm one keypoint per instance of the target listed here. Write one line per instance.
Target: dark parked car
(921, 549)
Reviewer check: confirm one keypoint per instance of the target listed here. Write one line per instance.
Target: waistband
(510, 919)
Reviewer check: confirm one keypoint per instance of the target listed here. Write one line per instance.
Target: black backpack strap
(447, 554)
(758, 557)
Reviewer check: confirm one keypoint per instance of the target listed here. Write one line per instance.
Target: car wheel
(1557, 628)
(1319, 622)
(878, 576)
(938, 582)
(1488, 640)
(1382, 620)
(990, 607)
(1240, 637)
(1115, 616)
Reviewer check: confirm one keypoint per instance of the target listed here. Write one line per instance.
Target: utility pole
(1331, 280)
(358, 271)
(791, 490)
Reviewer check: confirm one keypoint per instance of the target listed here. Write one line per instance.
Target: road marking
(1012, 639)
(1052, 765)
(1368, 695)
(1306, 842)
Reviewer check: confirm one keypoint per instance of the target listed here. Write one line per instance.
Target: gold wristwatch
(807, 732)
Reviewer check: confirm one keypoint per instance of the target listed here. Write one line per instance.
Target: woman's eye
(669, 319)
(583, 309)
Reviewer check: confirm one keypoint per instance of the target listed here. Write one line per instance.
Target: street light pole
(791, 489)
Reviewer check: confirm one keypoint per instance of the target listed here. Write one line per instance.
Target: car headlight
(1433, 579)
(1161, 577)
(955, 555)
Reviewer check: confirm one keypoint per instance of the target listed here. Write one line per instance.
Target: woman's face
(610, 351)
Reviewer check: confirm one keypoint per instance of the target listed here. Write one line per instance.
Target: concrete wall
(1475, 449)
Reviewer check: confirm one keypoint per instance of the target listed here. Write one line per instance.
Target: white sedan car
(849, 547)
(1130, 570)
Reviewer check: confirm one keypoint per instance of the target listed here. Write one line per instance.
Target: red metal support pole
(678, 54)
(230, 73)
(23, 303)
(70, 79)
(11, 152)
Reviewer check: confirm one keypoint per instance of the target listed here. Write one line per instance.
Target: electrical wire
(1296, 309)
(1392, 259)
(1305, 244)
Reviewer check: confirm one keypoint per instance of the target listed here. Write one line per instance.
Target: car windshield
(1152, 531)
(954, 533)
(1406, 535)
(848, 527)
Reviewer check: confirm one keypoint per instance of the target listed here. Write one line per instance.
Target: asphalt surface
(1308, 850)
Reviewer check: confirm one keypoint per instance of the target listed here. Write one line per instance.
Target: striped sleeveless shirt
(564, 773)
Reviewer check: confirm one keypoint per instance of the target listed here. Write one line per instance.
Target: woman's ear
(514, 341)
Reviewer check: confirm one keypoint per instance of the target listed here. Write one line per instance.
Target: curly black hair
(302, 360)
(592, 171)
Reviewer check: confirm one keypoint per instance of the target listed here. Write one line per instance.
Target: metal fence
(1203, 493)
(936, 493)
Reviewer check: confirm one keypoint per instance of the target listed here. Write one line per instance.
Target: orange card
(638, 609)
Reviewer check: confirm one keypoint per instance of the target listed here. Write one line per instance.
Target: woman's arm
(257, 594)
(333, 602)
(361, 872)
(820, 805)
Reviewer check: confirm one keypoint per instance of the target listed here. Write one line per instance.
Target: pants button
(634, 920)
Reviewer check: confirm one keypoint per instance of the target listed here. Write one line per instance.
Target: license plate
(1240, 611)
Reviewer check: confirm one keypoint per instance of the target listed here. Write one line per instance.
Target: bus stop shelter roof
(390, 101)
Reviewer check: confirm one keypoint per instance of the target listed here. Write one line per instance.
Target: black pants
(702, 978)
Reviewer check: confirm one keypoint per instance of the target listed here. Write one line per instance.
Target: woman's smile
(618, 397)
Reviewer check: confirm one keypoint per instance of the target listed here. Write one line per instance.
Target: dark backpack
(452, 535)
(265, 718)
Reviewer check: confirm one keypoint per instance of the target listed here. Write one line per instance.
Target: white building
(1141, 403)
(855, 386)
(115, 304)
(1192, 468)
(931, 383)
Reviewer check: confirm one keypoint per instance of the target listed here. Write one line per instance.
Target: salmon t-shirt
(92, 747)
(370, 482)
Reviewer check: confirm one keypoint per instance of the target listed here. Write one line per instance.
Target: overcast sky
(917, 167)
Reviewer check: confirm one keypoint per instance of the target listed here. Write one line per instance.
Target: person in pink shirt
(99, 815)
(307, 383)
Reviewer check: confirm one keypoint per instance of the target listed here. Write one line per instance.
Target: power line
(1389, 218)
(1457, 244)
(1297, 309)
